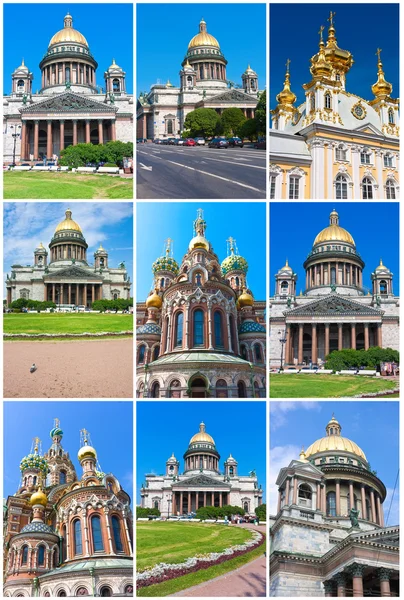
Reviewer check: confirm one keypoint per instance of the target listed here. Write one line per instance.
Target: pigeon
(33, 368)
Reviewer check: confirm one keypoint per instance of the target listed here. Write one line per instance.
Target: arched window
(284, 287)
(116, 528)
(231, 471)
(218, 324)
(155, 390)
(367, 189)
(34, 481)
(340, 153)
(198, 327)
(166, 340)
(141, 355)
(305, 495)
(179, 325)
(198, 279)
(97, 535)
(20, 85)
(41, 556)
(175, 389)
(390, 190)
(156, 504)
(170, 126)
(116, 85)
(331, 504)
(62, 477)
(233, 334)
(333, 275)
(24, 555)
(294, 188)
(82, 591)
(312, 103)
(327, 100)
(258, 353)
(341, 188)
(156, 352)
(105, 591)
(67, 74)
(62, 593)
(78, 544)
(244, 352)
(221, 389)
(246, 507)
(256, 390)
(365, 157)
(383, 287)
(391, 116)
(241, 389)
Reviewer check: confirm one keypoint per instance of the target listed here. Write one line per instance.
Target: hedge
(142, 513)
(218, 512)
(111, 152)
(120, 304)
(32, 304)
(348, 358)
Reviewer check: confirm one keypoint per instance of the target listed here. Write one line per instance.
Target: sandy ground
(73, 369)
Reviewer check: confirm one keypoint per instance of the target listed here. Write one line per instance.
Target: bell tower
(285, 282)
(22, 81)
(382, 282)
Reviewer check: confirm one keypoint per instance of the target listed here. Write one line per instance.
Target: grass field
(325, 386)
(173, 542)
(48, 185)
(66, 323)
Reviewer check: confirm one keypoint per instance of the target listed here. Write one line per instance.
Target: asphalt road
(175, 172)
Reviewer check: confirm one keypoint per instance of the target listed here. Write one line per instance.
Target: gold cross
(321, 32)
(330, 18)
(168, 242)
(57, 422)
(287, 65)
(378, 51)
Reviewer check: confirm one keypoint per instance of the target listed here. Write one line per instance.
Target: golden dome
(334, 443)
(382, 87)
(286, 96)
(203, 38)
(199, 241)
(245, 299)
(320, 66)
(114, 65)
(68, 35)
(39, 497)
(86, 452)
(202, 436)
(340, 60)
(68, 223)
(286, 267)
(334, 233)
(381, 267)
(154, 300)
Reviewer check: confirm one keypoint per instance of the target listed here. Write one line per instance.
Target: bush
(32, 304)
(369, 359)
(203, 122)
(261, 512)
(109, 165)
(142, 513)
(111, 153)
(218, 512)
(120, 304)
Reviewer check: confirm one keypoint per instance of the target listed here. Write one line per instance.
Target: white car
(200, 141)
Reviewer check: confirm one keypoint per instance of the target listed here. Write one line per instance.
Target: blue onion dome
(37, 527)
(165, 263)
(150, 328)
(55, 431)
(252, 327)
(234, 262)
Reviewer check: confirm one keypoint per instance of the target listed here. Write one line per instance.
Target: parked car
(235, 141)
(200, 141)
(179, 142)
(171, 141)
(157, 141)
(141, 141)
(218, 143)
(189, 142)
(164, 141)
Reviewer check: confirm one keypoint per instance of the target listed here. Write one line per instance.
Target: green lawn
(66, 323)
(325, 386)
(160, 541)
(60, 186)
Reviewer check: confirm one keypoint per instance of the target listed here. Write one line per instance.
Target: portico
(73, 292)
(188, 500)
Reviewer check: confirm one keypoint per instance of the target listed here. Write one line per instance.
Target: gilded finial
(168, 245)
(382, 87)
(321, 34)
(287, 65)
(286, 97)
(331, 17)
(36, 441)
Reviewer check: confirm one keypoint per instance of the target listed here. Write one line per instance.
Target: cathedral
(335, 145)
(336, 310)
(328, 536)
(161, 112)
(68, 279)
(200, 332)
(70, 107)
(201, 484)
(67, 535)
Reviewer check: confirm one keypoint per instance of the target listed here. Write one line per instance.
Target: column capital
(49, 121)
(100, 121)
(341, 578)
(340, 325)
(61, 120)
(36, 121)
(384, 574)
(328, 586)
(88, 121)
(74, 120)
(356, 569)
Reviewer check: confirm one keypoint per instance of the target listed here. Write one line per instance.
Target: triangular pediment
(68, 102)
(232, 96)
(201, 481)
(368, 128)
(304, 468)
(74, 272)
(333, 305)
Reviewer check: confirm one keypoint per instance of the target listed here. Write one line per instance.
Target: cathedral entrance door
(198, 388)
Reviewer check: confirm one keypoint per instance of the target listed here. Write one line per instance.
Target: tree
(111, 152)
(231, 120)
(248, 129)
(261, 512)
(202, 122)
(143, 513)
(261, 114)
(345, 359)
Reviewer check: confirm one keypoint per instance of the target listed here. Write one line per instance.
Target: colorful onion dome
(37, 527)
(154, 300)
(245, 299)
(55, 431)
(151, 328)
(39, 497)
(251, 327)
(165, 263)
(34, 461)
(234, 262)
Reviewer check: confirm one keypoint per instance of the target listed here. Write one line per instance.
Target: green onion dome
(234, 262)
(55, 431)
(165, 263)
(34, 461)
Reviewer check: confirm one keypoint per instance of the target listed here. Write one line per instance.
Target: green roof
(85, 565)
(199, 357)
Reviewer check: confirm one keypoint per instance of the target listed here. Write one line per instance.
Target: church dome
(165, 263)
(202, 436)
(86, 452)
(203, 38)
(55, 431)
(199, 241)
(245, 299)
(334, 441)
(68, 34)
(382, 267)
(234, 262)
(68, 224)
(34, 461)
(334, 233)
(39, 497)
(154, 300)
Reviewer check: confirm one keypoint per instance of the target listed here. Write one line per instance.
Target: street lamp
(15, 135)
(283, 342)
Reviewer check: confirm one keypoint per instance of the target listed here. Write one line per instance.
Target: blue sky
(163, 35)
(244, 221)
(110, 425)
(108, 29)
(360, 28)
(374, 426)
(174, 423)
(374, 227)
(26, 224)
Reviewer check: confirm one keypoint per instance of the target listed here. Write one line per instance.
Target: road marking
(250, 187)
(238, 164)
(142, 166)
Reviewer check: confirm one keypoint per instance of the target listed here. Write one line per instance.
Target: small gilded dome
(334, 233)
(245, 299)
(287, 267)
(68, 224)
(86, 452)
(39, 497)
(199, 241)
(154, 300)
(382, 267)
(382, 87)
(202, 436)
(286, 97)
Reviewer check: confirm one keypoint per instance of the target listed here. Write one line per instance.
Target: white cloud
(394, 517)
(26, 224)
(279, 411)
(279, 457)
